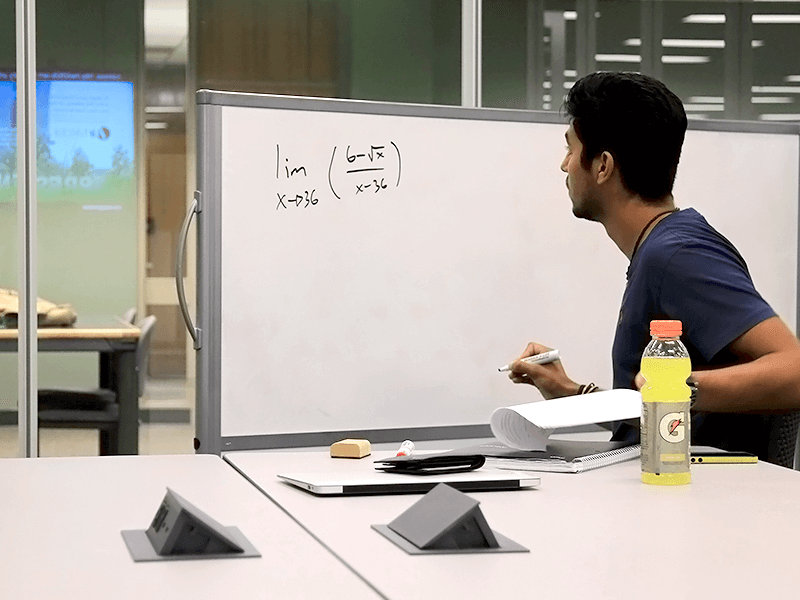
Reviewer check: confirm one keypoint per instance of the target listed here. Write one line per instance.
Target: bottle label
(665, 437)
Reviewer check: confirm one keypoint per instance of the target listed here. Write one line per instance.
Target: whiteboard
(367, 267)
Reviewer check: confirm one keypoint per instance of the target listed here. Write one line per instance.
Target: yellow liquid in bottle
(666, 382)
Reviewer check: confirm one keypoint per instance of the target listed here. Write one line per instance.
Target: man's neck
(633, 219)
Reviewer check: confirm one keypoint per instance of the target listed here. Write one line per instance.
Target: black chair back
(783, 439)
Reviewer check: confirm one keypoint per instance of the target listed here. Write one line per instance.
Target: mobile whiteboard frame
(207, 332)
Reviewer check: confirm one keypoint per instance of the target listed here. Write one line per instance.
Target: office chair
(96, 408)
(772, 437)
(129, 316)
(783, 439)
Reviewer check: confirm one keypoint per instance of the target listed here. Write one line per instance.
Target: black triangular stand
(179, 527)
(445, 521)
(181, 531)
(445, 518)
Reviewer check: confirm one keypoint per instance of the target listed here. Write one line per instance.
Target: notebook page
(528, 426)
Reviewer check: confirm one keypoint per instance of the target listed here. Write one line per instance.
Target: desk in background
(116, 346)
(731, 534)
(61, 520)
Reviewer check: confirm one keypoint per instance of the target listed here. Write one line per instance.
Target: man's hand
(639, 380)
(550, 379)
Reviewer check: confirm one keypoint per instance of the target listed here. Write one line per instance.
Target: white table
(60, 521)
(733, 533)
(115, 344)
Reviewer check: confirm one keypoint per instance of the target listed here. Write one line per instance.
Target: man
(623, 146)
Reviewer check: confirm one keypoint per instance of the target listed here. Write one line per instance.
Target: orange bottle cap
(666, 328)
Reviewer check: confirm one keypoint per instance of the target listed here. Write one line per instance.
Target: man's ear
(604, 166)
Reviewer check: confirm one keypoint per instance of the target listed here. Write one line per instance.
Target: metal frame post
(27, 400)
(471, 52)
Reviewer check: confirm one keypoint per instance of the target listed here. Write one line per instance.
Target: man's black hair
(635, 118)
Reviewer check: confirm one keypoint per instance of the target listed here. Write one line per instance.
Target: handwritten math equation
(354, 170)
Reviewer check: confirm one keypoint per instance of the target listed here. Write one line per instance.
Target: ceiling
(166, 32)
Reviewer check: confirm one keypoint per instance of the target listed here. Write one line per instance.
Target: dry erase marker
(537, 359)
(406, 448)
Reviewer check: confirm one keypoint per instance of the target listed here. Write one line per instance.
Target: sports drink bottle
(665, 424)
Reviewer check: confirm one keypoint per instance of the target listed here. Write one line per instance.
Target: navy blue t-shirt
(688, 271)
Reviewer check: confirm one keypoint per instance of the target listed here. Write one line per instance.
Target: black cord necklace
(646, 227)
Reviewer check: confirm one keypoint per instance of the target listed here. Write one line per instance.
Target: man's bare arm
(768, 379)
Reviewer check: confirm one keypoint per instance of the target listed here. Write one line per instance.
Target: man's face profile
(579, 179)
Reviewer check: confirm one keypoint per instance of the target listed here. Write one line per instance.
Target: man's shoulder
(686, 224)
(684, 242)
(663, 243)
(687, 230)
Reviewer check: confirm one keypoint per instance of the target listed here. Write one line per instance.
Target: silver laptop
(343, 484)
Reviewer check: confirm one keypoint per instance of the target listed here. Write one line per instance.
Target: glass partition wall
(725, 60)
(9, 243)
(116, 120)
(86, 215)
(88, 56)
(388, 50)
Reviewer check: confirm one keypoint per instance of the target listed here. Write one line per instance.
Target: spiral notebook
(560, 456)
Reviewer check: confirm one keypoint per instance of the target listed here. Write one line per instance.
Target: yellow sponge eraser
(350, 449)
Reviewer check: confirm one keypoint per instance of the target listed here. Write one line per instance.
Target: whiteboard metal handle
(181, 254)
